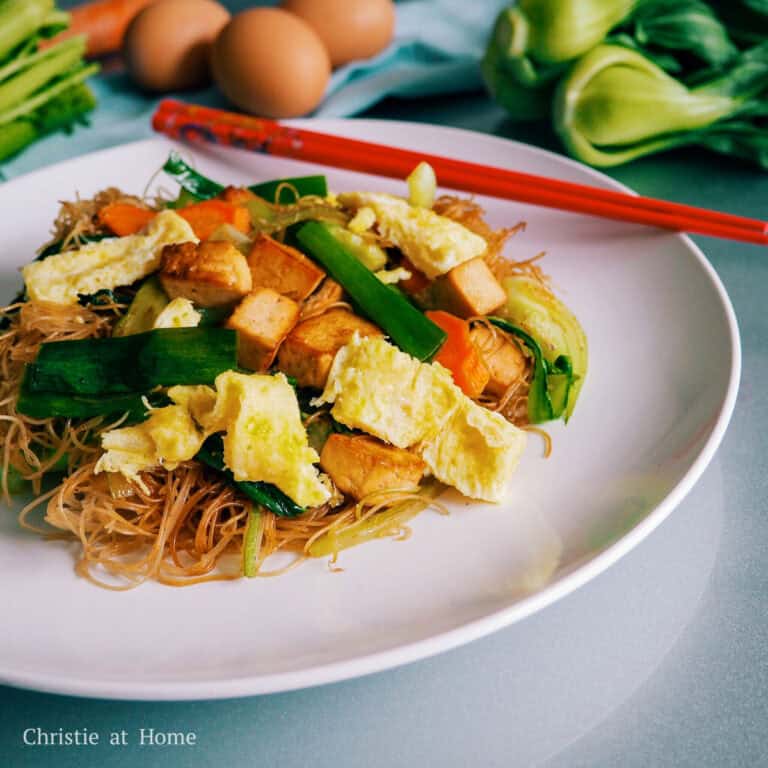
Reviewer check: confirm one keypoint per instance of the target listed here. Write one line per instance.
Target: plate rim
(358, 666)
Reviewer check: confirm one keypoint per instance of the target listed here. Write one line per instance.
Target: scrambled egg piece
(476, 451)
(265, 438)
(198, 399)
(168, 437)
(178, 313)
(105, 264)
(377, 388)
(362, 221)
(434, 244)
(393, 276)
(381, 390)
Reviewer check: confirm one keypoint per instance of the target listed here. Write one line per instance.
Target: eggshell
(167, 45)
(271, 63)
(350, 29)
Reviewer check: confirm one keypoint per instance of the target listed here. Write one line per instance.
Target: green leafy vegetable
(562, 344)
(105, 296)
(133, 364)
(265, 494)
(406, 326)
(532, 43)
(202, 188)
(189, 179)
(616, 105)
(291, 189)
(550, 383)
(150, 300)
(44, 405)
(627, 78)
(678, 26)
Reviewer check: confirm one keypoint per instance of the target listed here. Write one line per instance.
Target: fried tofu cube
(283, 269)
(329, 292)
(308, 351)
(505, 361)
(210, 274)
(360, 465)
(262, 320)
(469, 290)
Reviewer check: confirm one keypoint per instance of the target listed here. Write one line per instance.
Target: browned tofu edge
(360, 465)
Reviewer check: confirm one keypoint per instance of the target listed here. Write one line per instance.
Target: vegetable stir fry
(241, 373)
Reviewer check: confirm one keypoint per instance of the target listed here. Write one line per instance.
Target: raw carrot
(459, 355)
(124, 219)
(104, 22)
(207, 216)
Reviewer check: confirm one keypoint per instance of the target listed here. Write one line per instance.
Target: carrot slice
(124, 218)
(207, 216)
(237, 195)
(459, 355)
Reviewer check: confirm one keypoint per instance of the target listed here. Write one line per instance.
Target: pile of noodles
(187, 525)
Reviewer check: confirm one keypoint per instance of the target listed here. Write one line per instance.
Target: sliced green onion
(44, 405)
(195, 183)
(303, 185)
(133, 364)
(201, 188)
(391, 311)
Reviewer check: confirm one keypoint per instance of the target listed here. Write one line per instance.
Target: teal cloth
(437, 48)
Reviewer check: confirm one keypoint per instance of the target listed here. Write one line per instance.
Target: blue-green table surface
(661, 661)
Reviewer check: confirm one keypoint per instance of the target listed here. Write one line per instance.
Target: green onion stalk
(616, 105)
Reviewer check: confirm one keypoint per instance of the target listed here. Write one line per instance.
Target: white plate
(664, 369)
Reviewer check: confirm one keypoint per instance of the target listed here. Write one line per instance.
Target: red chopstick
(196, 123)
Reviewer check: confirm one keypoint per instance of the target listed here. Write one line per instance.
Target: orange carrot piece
(459, 355)
(237, 195)
(104, 22)
(207, 216)
(124, 219)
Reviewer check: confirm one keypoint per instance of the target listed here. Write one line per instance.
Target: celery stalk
(15, 136)
(59, 113)
(25, 60)
(20, 19)
(47, 94)
(61, 59)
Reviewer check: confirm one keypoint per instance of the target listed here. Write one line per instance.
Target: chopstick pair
(196, 123)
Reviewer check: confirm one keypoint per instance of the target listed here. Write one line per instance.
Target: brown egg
(271, 63)
(350, 29)
(167, 45)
